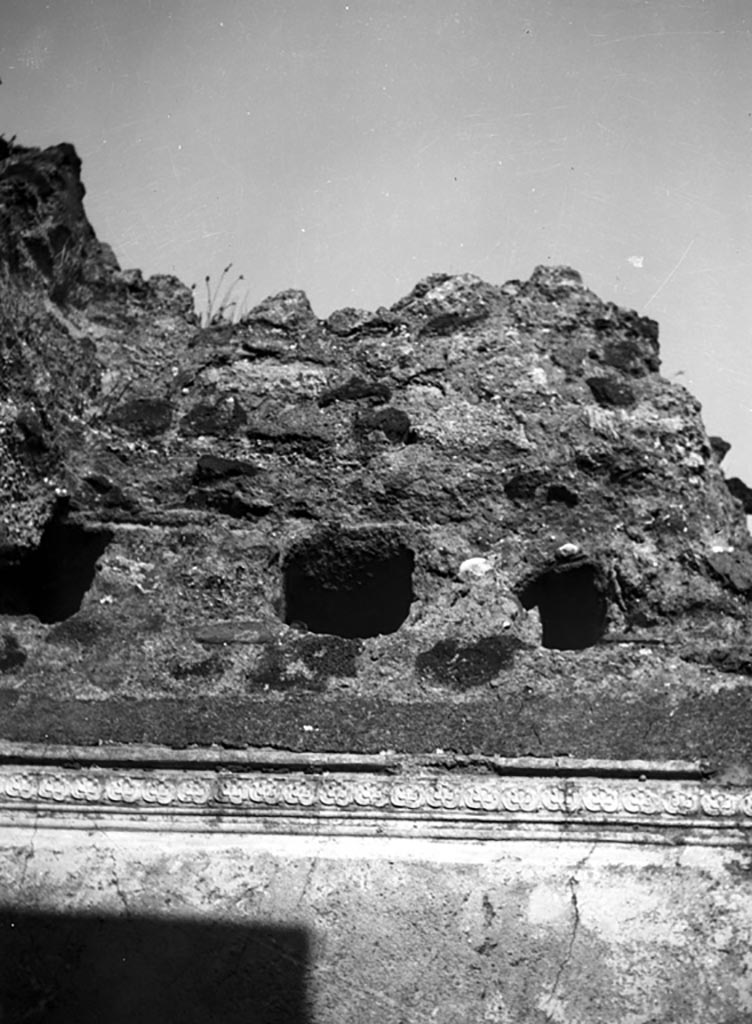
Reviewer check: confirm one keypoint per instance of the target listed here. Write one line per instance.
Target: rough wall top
(478, 520)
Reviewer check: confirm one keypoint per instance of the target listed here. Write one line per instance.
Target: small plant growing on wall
(225, 309)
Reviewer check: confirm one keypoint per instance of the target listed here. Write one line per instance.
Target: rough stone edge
(420, 804)
(147, 755)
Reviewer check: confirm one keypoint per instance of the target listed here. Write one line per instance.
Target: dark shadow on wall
(60, 969)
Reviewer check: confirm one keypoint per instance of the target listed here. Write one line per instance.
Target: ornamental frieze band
(228, 795)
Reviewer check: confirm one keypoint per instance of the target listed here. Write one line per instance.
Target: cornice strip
(457, 804)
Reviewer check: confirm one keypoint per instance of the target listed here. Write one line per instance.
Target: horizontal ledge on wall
(271, 759)
(448, 805)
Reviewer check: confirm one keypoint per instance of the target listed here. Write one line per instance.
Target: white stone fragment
(568, 550)
(474, 568)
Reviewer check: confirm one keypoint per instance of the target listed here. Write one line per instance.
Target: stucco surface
(116, 925)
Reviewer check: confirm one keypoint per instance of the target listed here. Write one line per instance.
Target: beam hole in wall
(349, 583)
(50, 581)
(572, 606)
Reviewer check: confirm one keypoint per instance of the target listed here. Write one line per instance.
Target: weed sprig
(224, 310)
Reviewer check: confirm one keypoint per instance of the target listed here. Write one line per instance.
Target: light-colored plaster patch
(548, 904)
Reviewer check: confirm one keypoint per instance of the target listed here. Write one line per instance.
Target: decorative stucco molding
(457, 804)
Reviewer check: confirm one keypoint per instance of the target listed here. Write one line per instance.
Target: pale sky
(351, 148)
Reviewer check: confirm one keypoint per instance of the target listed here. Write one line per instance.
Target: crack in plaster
(572, 883)
(116, 881)
(28, 854)
(306, 882)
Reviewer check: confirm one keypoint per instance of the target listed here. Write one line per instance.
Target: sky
(352, 148)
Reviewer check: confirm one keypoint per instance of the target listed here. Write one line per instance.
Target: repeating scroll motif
(463, 797)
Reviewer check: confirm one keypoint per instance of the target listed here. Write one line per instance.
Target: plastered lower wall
(114, 925)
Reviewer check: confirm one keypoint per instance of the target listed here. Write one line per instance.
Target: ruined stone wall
(474, 535)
